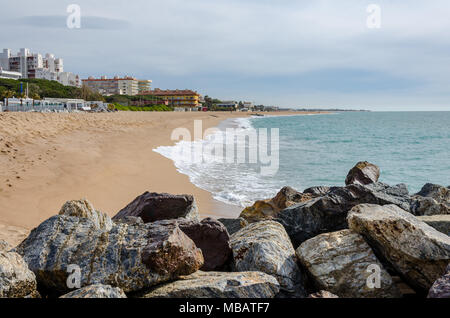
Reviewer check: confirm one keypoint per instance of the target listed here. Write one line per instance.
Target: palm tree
(8, 94)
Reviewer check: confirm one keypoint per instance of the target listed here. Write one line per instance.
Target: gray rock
(130, 220)
(441, 287)
(5, 246)
(341, 262)
(439, 193)
(438, 222)
(153, 206)
(386, 194)
(96, 291)
(129, 257)
(416, 250)
(317, 191)
(84, 209)
(323, 294)
(329, 212)
(219, 285)
(212, 238)
(233, 225)
(363, 173)
(265, 247)
(428, 206)
(268, 209)
(16, 280)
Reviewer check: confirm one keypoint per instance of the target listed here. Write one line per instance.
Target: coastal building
(230, 105)
(9, 74)
(117, 85)
(144, 86)
(249, 106)
(47, 104)
(176, 98)
(34, 65)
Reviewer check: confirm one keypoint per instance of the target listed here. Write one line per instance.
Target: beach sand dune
(107, 158)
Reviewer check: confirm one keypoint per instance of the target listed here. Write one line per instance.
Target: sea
(302, 151)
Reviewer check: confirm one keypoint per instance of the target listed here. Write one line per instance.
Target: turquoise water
(409, 147)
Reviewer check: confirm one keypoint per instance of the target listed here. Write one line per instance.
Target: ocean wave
(232, 183)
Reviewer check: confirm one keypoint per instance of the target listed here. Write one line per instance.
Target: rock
(428, 206)
(268, 209)
(437, 192)
(317, 191)
(265, 246)
(438, 222)
(129, 257)
(441, 287)
(16, 280)
(233, 225)
(130, 220)
(5, 246)
(416, 250)
(212, 238)
(84, 209)
(219, 285)
(96, 291)
(341, 262)
(363, 173)
(385, 194)
(323, 294)
(151, 207)
(329, 212)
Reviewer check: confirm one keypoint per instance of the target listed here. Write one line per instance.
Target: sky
(300, 54)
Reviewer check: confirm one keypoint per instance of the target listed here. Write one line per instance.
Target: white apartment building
(9, 74)
(117, 85)
(35, 66)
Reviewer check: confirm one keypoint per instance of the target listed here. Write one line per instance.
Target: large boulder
(268, 209)
(151, 207)
(328, 213)
(265, 246)
(432, 199)
(219, 285)
(363, 173)
(96, 291)
(233, 225)
(441, 287)
(415, 250)
(438, 222)
(84, 209)
(437, 192)
(212, 238)
(130, 257)
(341, 262)
(16, 280)
(428, 206)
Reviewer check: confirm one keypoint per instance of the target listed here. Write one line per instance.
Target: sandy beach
(107, 158)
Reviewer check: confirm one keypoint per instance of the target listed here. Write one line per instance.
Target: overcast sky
(314, 53)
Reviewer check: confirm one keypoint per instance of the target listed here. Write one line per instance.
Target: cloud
(59, 22)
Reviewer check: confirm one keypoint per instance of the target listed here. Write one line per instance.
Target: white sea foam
(232, 183)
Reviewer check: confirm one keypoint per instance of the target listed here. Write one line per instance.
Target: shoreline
(49, 159)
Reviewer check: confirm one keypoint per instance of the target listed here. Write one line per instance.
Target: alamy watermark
(374, 19)
(74, 18)
(233, 146)
(374, 279)
(74, 279)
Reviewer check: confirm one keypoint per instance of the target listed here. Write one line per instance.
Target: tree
(34, 90)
